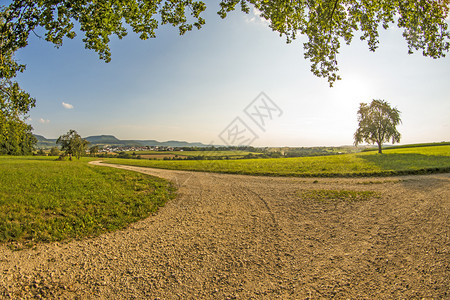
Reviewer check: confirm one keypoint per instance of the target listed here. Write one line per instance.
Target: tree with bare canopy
(377, 123)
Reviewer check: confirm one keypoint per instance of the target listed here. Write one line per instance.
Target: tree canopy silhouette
(377, 123)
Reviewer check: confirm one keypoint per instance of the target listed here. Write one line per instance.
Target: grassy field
(46, 200)
(392, 162)
(416, 145)
(231, 154)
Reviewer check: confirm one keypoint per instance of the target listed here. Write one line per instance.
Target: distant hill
(40, 137)
(103, 140)
(44, 143)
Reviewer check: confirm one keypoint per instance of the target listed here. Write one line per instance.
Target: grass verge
(420, 160)
(46, 200)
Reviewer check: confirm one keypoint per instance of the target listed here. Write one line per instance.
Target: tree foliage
(325, 23)
(72, 144)
(94, 150)
(377, 123)
(15, 137)
(54, 151)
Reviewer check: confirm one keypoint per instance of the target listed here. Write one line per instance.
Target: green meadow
(392, 162)
(46, 200)
(231, 153)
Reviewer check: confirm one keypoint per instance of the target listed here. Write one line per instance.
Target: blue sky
(191, 87)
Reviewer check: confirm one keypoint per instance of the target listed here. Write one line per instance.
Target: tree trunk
(379, 148)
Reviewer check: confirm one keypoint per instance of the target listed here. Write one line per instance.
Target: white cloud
(67, 105)
(256, 12)
(251, 20)
(255, 17)
(44, 121)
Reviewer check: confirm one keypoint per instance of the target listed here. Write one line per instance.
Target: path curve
(242, 237)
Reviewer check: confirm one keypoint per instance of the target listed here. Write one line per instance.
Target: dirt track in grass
(244, 237)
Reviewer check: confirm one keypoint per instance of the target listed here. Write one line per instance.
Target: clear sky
(192, 87)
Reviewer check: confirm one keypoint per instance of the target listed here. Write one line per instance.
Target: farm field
(391, 162)
(46, 200)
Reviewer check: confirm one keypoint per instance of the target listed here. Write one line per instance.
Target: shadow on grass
(409, 163)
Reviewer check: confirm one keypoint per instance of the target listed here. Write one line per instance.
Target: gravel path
(244, 237)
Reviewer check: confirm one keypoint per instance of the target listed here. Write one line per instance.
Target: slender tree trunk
(379, 148)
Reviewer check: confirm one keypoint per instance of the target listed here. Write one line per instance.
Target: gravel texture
(245, 237)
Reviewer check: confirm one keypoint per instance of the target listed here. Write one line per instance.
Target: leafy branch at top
(325, 24)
